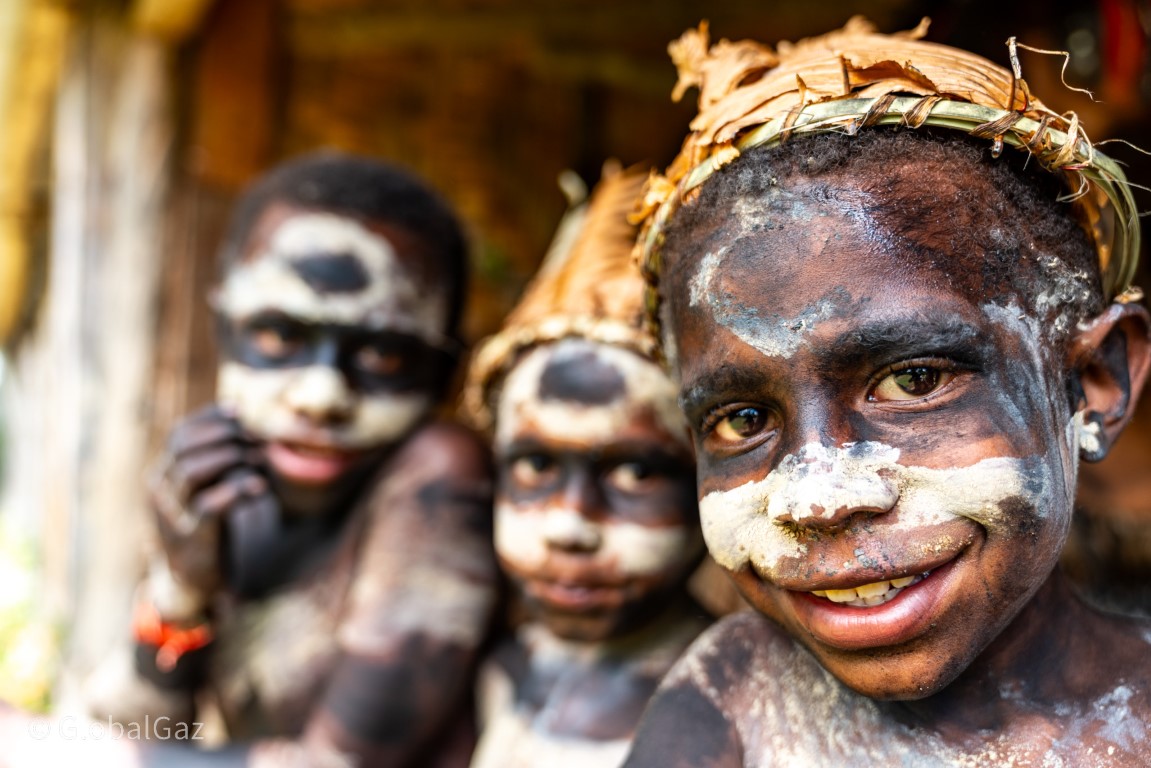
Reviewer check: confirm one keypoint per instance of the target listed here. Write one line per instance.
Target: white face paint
(526, 538)
(270, 403)
(392, 299)
(647, 388)
(772, 334)
(742, 525)
(1035, 345)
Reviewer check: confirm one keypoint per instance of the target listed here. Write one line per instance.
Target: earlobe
(1109, 357)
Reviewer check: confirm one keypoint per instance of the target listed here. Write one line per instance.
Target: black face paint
(370, 361)
(582, 377)
(327, 273)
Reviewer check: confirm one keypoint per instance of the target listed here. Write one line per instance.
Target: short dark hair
(1033, 244)
(367, 188)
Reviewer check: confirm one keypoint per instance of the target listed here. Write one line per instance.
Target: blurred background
(127, 128)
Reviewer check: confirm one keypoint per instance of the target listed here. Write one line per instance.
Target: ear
(1109, 358)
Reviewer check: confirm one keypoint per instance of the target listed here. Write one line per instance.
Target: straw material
(588, 287)
(751, 95)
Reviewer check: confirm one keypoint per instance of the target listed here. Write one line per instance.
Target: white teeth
(876, 593)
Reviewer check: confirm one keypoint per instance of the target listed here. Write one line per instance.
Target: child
(596, 521)
(893, 346)
(326, 575)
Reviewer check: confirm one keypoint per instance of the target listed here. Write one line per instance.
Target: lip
(576, 597)
(310, 464)
(908, 615)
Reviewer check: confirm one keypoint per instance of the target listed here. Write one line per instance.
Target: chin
(587, 627)
(897, 674)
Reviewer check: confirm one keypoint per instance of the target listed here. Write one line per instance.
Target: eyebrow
(892, 339)
(883, 341)
(727, 380)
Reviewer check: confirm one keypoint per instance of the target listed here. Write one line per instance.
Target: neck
(1042, 659)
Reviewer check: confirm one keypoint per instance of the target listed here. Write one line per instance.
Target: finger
(193, 435)
(222, 498)
(191, 472)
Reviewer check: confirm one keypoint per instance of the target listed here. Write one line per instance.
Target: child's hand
(210, 471)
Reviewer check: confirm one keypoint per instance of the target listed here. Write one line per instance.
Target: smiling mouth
(869, 595)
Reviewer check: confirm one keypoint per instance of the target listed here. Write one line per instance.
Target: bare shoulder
(444, 448)
(733, 654)
(693, 719)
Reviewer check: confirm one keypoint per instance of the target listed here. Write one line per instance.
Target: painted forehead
(328, 269)
(982, 234)
(582, 390)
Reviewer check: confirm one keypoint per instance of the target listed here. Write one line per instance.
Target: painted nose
(568, 530)
(321, 394)
(826, 492)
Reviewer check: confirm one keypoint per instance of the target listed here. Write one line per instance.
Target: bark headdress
(588, 286)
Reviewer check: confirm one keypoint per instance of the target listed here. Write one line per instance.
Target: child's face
(595, 510)
(886, 459)
(329, 341)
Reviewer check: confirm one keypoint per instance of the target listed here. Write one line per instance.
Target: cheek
(265, 403)
(519, 536)
(522, 537)
(640, 551)
(256, 396)
(737, 528)
(385, 418)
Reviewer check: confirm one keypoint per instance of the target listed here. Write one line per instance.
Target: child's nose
(321, 394)
(826, 493)
(566, 529)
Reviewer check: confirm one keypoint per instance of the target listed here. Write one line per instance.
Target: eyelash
(940, 363)
(713, 417)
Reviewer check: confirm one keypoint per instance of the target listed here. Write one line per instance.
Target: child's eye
(629, 477)
(533, 470)
(276, 341)
(742, 424)
(379, 362)
(910, 383)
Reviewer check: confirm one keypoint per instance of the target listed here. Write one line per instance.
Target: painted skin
(596, 525)
(331, 345)
(329, 359)
(364, 613)
(903, 427)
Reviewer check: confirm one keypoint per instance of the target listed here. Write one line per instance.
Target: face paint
(645, 387)
(270, 402)
(596, 517)
(772, 334)
(906, 466)
(331, 344)
(363, 282)
(743, 525)
(525, 540)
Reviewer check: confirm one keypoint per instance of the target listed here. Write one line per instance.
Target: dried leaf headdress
(587, 287)
(751, 95)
